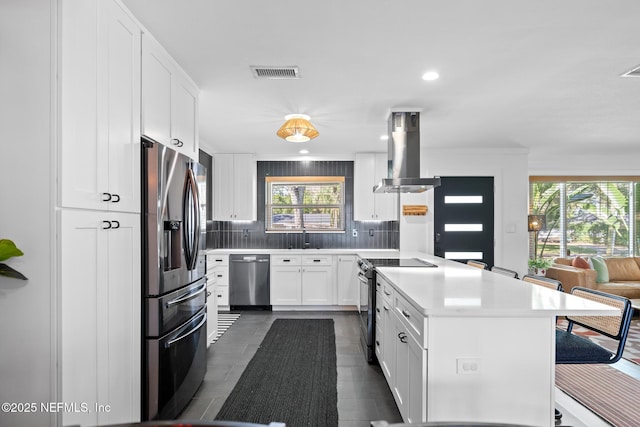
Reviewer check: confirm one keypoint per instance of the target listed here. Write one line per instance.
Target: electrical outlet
(371, 232)
(354, 232)
(468, 365)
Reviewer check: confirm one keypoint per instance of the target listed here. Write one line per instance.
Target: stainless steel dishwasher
(249, 282)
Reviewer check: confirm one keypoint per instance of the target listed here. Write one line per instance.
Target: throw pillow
(602, 272)
(580, 263)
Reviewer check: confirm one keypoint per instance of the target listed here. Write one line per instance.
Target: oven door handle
(188, 296)
(175, 340)
(363, 279)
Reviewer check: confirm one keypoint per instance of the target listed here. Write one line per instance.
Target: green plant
(8, 249)
(539, 263)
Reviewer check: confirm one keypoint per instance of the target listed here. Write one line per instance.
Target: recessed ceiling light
(430, 75)
(384, 137)
(303, 151)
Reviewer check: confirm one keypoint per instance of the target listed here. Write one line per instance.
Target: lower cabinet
(212, 313)
(348, 285)
(218, 268)
(302, 280)
(286, 288)
(100, 310)
(402, 357)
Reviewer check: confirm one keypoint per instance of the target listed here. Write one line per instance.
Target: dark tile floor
(363, 394)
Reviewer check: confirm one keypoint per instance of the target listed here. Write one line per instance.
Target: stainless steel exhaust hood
(404, 157)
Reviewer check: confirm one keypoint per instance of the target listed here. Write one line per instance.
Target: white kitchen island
(461, 344)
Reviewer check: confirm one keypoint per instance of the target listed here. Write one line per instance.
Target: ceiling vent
(267, 72)
(632, 73)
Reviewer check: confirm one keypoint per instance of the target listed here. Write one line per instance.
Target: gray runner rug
(291, 379)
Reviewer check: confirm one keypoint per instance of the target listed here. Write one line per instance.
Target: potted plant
(8, 249)
(539, 265)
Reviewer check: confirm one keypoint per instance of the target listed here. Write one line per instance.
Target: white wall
(27, 363)
(509, 169)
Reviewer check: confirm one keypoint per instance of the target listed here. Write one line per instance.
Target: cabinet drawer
(385, 289)
(413, 320)
(214, 261)
(285, 260)
(379, 304)
(221, 275)
(222, 294)
(378, 342)
(317, 260)
(211, 277)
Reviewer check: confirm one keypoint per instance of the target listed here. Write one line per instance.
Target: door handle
(175, 340)
(187, 297)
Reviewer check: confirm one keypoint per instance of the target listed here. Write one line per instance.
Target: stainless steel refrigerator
(174, 303)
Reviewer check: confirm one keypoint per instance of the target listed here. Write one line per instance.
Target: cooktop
(399, 262)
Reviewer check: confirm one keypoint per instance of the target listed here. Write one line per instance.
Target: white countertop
(337, 251)
(455, 289)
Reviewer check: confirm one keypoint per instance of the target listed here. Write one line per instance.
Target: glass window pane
(462, 199)
(463, 255)
(598, 218)
(305, 203)
(463, 227)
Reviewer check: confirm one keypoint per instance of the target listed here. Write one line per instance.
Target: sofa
(619, 276)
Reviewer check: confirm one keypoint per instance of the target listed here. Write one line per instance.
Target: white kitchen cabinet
(403, 356)
(301, 280)
(347, 280)
(369, 169)
(285, 280)
(285, 285)
(218, 267)
(100, 309)
(212, 302)
(99, 161)
(235, 187)
(317, 284)
(169, 100)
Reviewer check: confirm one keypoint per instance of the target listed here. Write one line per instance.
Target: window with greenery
(586, 215)
(309, 203)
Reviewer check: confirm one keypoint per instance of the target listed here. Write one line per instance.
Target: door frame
(498, 206)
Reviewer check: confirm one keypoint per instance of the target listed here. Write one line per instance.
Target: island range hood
(404, 157)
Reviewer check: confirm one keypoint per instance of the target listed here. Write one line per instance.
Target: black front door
(463, 219)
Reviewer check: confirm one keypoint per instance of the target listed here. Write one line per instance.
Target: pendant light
(297, 128)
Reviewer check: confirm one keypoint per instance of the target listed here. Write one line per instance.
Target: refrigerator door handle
(188, 296)
(191, 216)
(181, 337)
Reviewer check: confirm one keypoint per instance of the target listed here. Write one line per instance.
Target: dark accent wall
(371, 235)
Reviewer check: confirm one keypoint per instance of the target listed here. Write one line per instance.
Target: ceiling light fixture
(430, 75)
(303, 151)
(297, 128)
(384, 137)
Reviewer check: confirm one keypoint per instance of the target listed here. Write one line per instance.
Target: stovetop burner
(399, 262)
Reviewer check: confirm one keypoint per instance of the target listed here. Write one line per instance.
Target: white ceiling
(537, 74)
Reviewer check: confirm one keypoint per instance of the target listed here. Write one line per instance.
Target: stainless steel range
(367, 278)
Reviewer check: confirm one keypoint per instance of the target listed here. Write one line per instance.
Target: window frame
(298, 181)
(633, 238)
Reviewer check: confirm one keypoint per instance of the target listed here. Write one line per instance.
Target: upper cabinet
(369, 169)
(100, 107)
(235, 187)
(169, 100)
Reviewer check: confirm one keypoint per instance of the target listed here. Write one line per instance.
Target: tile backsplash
(243, 235)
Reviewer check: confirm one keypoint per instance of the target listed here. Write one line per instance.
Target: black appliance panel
(181, 360)
(173, 309)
